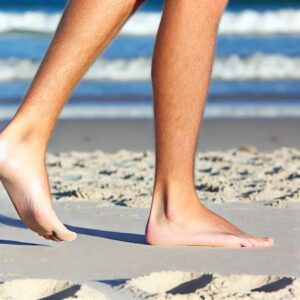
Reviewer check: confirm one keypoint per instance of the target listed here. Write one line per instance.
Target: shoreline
(143, 109)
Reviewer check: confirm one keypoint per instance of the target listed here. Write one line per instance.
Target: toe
(246, 242)
(47, 237)
(64, 234)
(54, 239)
(60, 231)
(265, 241)
(258, 241)
(261, 242)
(238, 241)
(269, 241)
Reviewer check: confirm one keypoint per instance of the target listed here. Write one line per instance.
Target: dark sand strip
(137, 135)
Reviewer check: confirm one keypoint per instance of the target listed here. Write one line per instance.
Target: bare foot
(199, 226)
(23, 174)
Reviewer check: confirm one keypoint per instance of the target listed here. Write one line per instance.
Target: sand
(125, 178)
(111, 257)
(175, 285)
(138, 135)
(105, 198)
(187, 285)
(29, 289)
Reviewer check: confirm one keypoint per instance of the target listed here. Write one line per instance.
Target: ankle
(14, 152)
(15, 135)
(173, 201)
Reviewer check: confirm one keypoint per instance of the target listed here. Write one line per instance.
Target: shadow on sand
(106, 234)
(8, 221)
(203, 281)
(111, 235)
(16, 243)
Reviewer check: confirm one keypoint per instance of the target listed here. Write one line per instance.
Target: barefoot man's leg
(84, 31)
(181, 73)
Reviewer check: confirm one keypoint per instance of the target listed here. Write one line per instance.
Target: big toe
(56, 229)
(269, 241)
(59, 231)
(62, 233)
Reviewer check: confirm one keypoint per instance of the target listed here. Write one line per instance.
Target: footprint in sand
(184, 285)
(46, 289)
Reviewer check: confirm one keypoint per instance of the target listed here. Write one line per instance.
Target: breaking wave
(257, 66)
(246, 22)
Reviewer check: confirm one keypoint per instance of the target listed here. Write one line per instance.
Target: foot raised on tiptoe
(195, 225)
(23, 174)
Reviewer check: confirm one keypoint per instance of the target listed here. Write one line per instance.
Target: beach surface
(105, 198)
(104, 193)
(110, 255)
(138, 135)
(126, 178)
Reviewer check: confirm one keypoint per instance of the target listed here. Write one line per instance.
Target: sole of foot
(24, 177)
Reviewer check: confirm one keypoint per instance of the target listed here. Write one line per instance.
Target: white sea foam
(39, 22)
(268, 22)
(257, 66)
(286, 21)
(113, 70)
(145, 111)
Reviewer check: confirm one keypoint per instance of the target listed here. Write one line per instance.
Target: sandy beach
(125, 178)
(105, 198)
(88, 81)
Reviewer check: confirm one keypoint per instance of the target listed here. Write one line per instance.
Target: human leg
(182, 63)
(84, 31)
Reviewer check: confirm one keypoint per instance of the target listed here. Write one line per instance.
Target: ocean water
(256, 70)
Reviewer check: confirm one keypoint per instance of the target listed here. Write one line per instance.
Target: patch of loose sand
(161, 285)
(33, 289)
(185, 285)
(126, 178)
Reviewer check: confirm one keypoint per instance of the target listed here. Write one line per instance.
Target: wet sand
(137, 135)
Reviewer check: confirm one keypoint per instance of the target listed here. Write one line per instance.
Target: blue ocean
(256, 70)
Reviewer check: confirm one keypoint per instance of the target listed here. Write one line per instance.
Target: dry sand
(189, 286)
(31, 289)
(126, 178)
(161, 285)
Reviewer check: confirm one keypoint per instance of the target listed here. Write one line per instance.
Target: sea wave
(108, 110)
(257, 66)
(246, 22)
